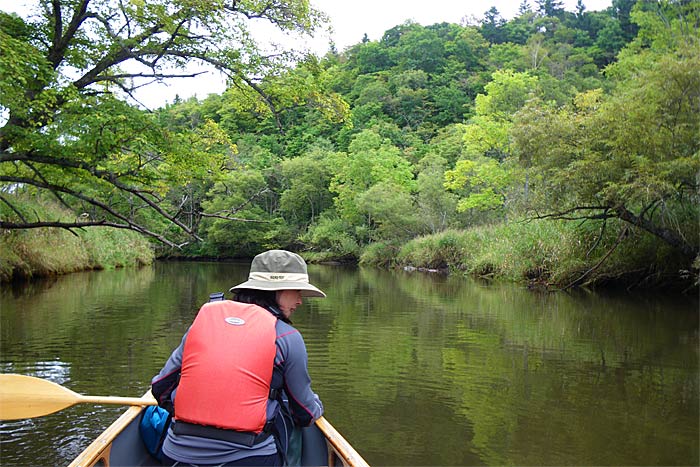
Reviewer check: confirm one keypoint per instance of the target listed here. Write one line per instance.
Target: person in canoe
(238, 383)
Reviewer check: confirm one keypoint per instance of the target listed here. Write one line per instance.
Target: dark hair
(263, 298)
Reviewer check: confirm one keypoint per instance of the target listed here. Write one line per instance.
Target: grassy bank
(552, 254)
(50, 251)
(546, 253)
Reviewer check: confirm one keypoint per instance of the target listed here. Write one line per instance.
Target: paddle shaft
(116, 400)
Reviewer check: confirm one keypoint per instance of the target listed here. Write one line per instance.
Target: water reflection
(413, 369)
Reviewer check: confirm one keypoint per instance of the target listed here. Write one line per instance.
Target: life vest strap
(216, 296)
(245, 438)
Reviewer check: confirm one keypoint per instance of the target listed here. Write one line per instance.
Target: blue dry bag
(153, 428)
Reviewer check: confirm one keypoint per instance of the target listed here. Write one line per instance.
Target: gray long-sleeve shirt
(290, 372)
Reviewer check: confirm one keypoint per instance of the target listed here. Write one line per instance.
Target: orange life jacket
(227, 367)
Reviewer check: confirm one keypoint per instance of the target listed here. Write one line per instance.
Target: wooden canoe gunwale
(338, 447)
(340, 452)
(99, 449)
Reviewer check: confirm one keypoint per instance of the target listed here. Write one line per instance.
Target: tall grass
(51, 251)
(548, 252)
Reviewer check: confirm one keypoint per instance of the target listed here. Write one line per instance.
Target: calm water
(413, 369)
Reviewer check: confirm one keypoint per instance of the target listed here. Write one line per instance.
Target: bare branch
(75, 225)
(597, 240)
(239, 219)
(620, 237)
(15, 210)
(568, 214)
(128, 223)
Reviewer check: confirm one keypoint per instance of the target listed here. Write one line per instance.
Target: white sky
(350, 20)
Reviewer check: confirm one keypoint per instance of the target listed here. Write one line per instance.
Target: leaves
(66, 76)
(484, 183)
(371, 160)
(431, 127)
(621, 155)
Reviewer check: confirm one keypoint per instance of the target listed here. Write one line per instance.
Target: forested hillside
(558, 147)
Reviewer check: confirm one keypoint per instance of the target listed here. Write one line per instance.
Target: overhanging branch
(127, 223)
(105, 175)
(571, 214)
(74, 225)
(642, 221)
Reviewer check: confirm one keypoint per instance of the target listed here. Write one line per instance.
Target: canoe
(120, 445)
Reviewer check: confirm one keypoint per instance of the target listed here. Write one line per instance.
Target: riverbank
(543, 254)
(547, 254)
(27, 254)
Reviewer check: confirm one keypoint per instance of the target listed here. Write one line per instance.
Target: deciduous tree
(633, 155)
(67, 72)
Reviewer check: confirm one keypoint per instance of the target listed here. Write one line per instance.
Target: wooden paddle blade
(27, 397)
(24, 396)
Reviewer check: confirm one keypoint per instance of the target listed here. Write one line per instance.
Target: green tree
(371, 160)
(306, 180)
(369, 57)
(67, 73)
(436, 205)
(420, 48)
(550, 7)
(243, 196)
(610, 40)
(390, 212)
(520, 28)
(409, 106)
(633, 155)
(505, 94)
(491, 26)
(484, 180)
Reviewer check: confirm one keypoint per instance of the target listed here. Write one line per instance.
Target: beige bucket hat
(279, 270)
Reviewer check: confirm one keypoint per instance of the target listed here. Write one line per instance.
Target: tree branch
(14, 209)
(568, 213)
(73, 225)
(61, 38)
(620, 237)
(239, 219)
(105, 175)
(128, 223)
(669, 236)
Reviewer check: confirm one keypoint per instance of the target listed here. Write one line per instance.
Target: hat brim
(306, 289)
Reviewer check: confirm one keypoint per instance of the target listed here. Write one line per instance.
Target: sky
(350, 21)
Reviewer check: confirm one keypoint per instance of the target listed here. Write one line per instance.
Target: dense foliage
(69, 129)
(587, 116)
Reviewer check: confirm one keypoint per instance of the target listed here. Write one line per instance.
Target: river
(413, 368)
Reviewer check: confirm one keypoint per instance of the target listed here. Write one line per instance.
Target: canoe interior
(128, 449)
(120, 445)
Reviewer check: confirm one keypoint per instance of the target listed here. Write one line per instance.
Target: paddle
(27, 397)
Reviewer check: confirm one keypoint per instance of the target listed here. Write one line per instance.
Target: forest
(557, 148)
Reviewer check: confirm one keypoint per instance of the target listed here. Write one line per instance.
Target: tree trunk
(667, 235)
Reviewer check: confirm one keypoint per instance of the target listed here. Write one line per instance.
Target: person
(238, 382)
